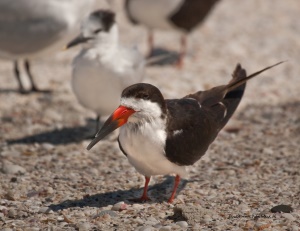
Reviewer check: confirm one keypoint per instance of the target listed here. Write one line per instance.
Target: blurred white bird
(103, 68)
(181, 16)
(33, 28)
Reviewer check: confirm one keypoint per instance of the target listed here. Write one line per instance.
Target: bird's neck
(150, 128)
(107, 45)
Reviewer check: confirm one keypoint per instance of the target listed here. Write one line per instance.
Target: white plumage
(103, 68)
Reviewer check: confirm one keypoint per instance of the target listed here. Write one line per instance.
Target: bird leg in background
(93, 135)
(182, 53)
(17, 75)
(27, 68)
(144, 197)
(150, 43)
(97, 123)
(177, 181)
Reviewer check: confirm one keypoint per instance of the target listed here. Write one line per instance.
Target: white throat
(105, 44)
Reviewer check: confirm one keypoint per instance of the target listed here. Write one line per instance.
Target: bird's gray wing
(29, 26)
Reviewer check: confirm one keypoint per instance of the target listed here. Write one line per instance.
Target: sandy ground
(49, 181)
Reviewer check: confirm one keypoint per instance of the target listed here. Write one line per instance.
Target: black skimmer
(34, 28)
(161, 136)
(103, 65)
(182, 16)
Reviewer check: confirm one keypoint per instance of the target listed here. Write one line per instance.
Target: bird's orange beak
(117, 119)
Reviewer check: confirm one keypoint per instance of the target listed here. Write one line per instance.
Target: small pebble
(10, 195)
(10, 168)
(151, 221)
(289, 216)
(161, 215)
(119, 206)
(12, 213)
(175, 227)
(243, 208)
(207, 218)
(146, 228)
(137, 206)
(139, 221)
(262, 226)
(22, 214)
(32, 229)
(14, 179)
(47, 146)
(196, 227)
(32, 193)
(45, 210)
(83, 226)
(182, 224)
(107, 212)
(50, 190)
(282, 208)
(94, 171)
(268, 151)
(14, 153)
(166, 228)
(106, 216)
(6, 229)
(157, 226)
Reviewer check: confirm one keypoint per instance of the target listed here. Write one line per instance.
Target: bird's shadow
(163, 57)
(104, 199)
(65, 135)
(26, 92)
(8, 90)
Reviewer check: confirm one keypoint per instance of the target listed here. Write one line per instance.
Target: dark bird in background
(161, 136)
(182, 16)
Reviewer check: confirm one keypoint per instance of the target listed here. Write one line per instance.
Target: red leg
(177, 180)
(144, 196)
(182, 53)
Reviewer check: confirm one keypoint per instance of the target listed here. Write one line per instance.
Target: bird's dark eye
(143, 96)
(97, 31)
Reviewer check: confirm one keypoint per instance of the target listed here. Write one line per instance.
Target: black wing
(129, 16)
(196, 120)
(192, 13)
(191, 129)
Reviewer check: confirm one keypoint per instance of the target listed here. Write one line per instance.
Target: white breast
(96, 87)
(145, 149)
(155, 13)
(98, 83)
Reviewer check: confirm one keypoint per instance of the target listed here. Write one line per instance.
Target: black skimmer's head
(98, 28)
(140, 103)
(161, 136)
